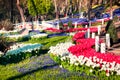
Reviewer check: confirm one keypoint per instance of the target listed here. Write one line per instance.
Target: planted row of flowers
(29, 35)
(71, 29)
(23, 48)
(83, 57)
(19, 52)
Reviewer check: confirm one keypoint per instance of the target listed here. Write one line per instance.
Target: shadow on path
(30, 72)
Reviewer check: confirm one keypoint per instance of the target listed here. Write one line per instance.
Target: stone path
(115, 49)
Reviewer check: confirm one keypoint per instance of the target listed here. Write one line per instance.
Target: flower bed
(23, 48)
(19, 52)
(39, 35)
(82, 57)
(71, 30)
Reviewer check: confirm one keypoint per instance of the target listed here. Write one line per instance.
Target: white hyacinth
(39, 35)
(60, 49)
(91, 70)
(18, 48)
(16, 36)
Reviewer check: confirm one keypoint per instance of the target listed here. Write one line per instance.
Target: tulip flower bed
(71, 30)
(19, 52)
(82, 57)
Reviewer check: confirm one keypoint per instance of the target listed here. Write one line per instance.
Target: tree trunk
(56, 9)
(20, 10)
(80, 6)
(111, 7)
(11, 10)
(89, 9)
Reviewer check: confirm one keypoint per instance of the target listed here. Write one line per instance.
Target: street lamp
(89, 9)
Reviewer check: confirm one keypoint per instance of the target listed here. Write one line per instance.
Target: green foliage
(56, 59)
(14, 58)
(100, 75)
(3, 43)
(61, 25)
(112, 31)
(70, 24)
(115, 19)
(40, 7)
(24, 38)
(47, 42)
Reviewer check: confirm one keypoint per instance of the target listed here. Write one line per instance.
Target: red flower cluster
(82, 29)
(52, 30)
(84, 47)
(88, 41)
(79, 35)
(72, 30)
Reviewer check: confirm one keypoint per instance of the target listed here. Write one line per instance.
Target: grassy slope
(42, 67)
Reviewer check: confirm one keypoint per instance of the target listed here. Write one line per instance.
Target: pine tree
(112, 31)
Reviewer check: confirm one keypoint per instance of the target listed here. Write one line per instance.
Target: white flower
(118, 72)
(91, 70)
(117, 66)
(104, 62)
(108, 74)
(39, 35)
(59, 49)
(60, 66)
(101, 60)
(63, 58)
(107, 65)
(76, 64)
(98, 60)
(94, 59)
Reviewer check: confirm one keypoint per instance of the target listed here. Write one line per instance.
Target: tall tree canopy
(41, 7)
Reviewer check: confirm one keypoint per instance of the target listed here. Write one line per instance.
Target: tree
(56, 9)
(41, 7)
(20, 10)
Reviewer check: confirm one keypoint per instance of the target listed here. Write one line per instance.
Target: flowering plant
(16, 49)
(78, 35)
(19, 52)
(52, 30)
(82, 57)
(39, 35)
(71, 30)
(59, 50)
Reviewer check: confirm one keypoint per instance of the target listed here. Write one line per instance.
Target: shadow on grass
(4, 60)
(30, 72)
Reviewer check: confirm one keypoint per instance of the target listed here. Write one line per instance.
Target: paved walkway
(115, 49)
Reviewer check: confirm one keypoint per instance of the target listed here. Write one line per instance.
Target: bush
(61, 25)
(3, 43)
(70, 24)
(24, 38)
(6, 24)
(115, 19)
(113, 32)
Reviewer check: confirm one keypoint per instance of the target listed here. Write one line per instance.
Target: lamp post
(70, 12)
(89, 9)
